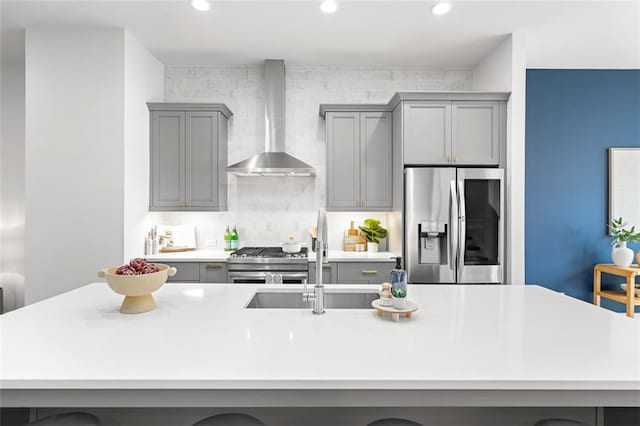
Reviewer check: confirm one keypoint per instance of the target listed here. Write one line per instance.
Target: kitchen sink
(294, 300)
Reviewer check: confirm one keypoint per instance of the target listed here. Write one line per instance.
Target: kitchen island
(465, 346)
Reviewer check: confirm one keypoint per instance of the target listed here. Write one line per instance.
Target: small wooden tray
(395, 313)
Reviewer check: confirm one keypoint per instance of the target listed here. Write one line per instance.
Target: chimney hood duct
(274, 161)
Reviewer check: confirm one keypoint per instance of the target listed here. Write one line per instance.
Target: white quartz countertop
(221, 256)
(462, 338)
(191, 256)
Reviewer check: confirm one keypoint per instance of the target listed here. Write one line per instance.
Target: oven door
(267, 277)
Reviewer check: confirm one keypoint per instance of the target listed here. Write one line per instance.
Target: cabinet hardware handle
(369, 271)
(214, 265)
(326, 265)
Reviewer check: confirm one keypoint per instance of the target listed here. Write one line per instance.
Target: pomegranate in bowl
(136, 281)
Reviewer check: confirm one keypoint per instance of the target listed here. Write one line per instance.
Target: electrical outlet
(212, 243)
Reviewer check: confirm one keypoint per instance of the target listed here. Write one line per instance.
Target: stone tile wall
(268, 209)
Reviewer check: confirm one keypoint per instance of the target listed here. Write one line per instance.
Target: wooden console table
(628, 298)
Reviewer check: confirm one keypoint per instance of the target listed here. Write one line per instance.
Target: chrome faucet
(321, 257)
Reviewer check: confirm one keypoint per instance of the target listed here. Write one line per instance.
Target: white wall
(268, 210)
(12, 160)
(494, 72)
(74, 157)
(505, 70)
(143, 82)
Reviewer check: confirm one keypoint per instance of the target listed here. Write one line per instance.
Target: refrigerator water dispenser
(433, 242)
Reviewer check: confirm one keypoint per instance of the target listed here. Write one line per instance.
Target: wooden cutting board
(175, 249)
(350, 242)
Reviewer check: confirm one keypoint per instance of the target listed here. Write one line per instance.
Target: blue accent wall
(572, 118)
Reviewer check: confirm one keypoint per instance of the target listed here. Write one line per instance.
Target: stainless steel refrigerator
(454, 225)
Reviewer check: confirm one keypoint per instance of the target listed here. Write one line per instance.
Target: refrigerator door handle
(462, 233)
(453, 224)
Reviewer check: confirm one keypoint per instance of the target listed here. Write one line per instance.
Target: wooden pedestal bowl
(137, 289)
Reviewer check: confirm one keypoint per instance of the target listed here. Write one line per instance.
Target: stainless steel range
(268, 265)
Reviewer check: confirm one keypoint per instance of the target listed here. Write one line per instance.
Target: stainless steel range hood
(274, 161)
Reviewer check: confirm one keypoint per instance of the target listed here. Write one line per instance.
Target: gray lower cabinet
(213, 272)
(187, 272)
(188, 157)
(359, 163)
(329, 273)
(332, 272)
(453, 132)
(199, 272)
(364, 272)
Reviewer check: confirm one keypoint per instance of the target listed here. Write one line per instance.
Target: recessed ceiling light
(441, 8)
(328, 6)
(201, 5)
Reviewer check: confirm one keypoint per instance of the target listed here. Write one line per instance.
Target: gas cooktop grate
(267, 252)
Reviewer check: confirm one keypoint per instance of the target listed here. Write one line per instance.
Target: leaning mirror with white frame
(624, 185)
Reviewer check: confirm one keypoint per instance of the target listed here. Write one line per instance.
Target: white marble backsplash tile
(269, 209)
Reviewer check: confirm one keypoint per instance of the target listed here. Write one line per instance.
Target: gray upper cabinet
(427, 132)
(343, 160)
(188, 157)
(475, 130)
(376, 164)
(453, 132)
(167, 159)
(359, 162)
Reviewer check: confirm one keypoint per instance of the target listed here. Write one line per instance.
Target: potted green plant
(374, 233)
(399, 296)
(620, 253)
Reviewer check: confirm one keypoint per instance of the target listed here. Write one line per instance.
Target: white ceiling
(391, 33)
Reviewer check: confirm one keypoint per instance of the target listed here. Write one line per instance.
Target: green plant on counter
(620, 234)
(399, 292)
(373, 231)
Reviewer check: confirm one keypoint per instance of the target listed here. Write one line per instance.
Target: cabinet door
(167, 159)
(427, 132)
(376, 161)
(475, 132)
(213, 272)
(343, 160)
(329, 273)
(364, 272)
(202, 159)
(187, 272)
